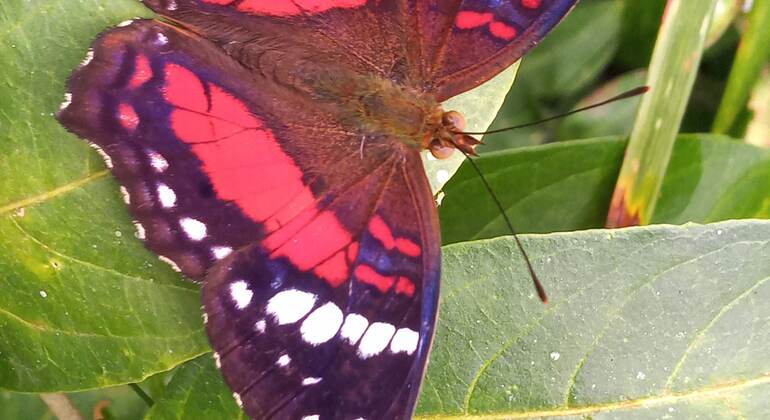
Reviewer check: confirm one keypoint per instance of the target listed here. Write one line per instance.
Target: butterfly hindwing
(314, 350)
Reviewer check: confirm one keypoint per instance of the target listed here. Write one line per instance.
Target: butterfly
(271, 150)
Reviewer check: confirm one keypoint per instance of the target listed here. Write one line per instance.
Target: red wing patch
(468, 19)
(287, 7)
(247, 166)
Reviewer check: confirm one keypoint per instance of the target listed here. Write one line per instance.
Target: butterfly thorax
(381, 108)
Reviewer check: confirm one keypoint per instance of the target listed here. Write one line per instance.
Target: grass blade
(675, 60)
(753, 52)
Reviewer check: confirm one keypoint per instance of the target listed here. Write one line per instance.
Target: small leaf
(197, 392)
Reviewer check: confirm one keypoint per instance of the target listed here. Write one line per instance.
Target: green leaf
(642, 322)
(197, 392)
(567, 186)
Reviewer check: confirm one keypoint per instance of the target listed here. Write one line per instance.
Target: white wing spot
(161, 39)
(170, 262)
(140, 232)
(195, 229)
(322, 324)
(237, 398)
(104, 155)
(375, 339)
(290, 305)
(405, 340)
(260, 326)
(221, 251)
(217, 360)
(241, 294)
(311, 381)
(283, 361)
(125, 23)
(67, 101)
(157, 161)
(125, 194)
(89, 56)
(205, 317)
(166, 195)
(354, 328)
(313, 417)
(171, 5)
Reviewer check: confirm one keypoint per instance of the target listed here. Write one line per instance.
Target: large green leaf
(84, 304)
(567, 186)
(642, 323)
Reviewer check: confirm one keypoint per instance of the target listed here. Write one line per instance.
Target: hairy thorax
(381, 108)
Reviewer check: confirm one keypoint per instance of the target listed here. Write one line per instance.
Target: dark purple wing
(443, 47)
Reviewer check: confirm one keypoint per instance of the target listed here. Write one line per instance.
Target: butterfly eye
(453, 120)
(440, 151)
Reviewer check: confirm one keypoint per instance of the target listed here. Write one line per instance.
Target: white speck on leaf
(640, 375)
(43, 294)
(555, 355)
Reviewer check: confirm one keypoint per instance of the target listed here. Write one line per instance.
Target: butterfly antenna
(625, 95)
(535, 280)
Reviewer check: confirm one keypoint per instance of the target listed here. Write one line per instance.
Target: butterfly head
(448, 136)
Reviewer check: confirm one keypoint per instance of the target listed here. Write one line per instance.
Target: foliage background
(652, 322)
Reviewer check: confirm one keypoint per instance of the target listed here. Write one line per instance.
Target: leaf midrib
(61, 190)
(665, 398)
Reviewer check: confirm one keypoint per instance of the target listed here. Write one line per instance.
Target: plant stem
(143, 395)
(61, 406)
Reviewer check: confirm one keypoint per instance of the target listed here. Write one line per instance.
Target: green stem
(143, 395)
